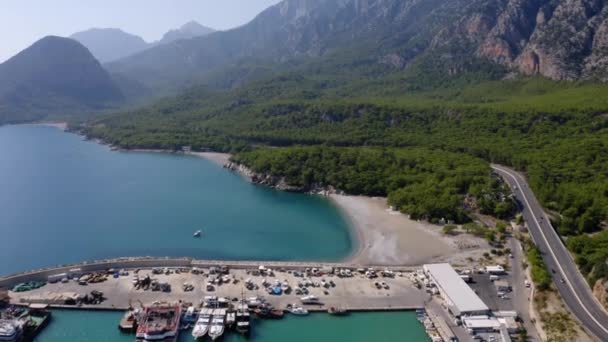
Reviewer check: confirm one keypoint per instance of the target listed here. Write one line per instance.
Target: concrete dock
(356, 293)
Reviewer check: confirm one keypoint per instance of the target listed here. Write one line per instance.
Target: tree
(448, 229)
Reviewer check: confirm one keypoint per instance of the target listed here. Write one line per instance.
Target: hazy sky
(22, 22)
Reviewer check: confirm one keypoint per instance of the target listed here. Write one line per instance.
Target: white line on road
(551, 250)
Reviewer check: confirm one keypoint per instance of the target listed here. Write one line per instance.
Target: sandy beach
(60, 125)
(387, 237)
(216, 157)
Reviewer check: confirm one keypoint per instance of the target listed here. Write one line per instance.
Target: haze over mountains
(110, 44)
(54, 76)
(437, 40)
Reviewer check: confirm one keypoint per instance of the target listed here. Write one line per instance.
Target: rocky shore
(278, 183)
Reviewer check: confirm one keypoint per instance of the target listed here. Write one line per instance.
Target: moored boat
(267, 311)
(217, 324)
(10, 331)
(298, 310)
(159, 323)
(337, 311)
(202, 324)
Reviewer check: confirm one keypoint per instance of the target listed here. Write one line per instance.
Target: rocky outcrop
(277, 182)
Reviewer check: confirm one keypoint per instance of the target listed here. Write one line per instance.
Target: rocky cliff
(559, 39)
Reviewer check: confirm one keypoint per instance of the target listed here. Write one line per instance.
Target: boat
(298, 311)
(190, 316)
(267, 311)
(311, 299)
(242, 322)
(128, 323)
(202, 324)
(198, 233)
(337, 311)
(217, 324)
(10, 331)
(230, 319)
(159, 323)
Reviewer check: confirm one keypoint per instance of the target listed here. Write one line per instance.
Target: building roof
(461, 295)
(481, 323)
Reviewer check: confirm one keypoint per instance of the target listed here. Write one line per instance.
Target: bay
(65, 200)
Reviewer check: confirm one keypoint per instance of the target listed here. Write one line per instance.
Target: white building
(460, 299)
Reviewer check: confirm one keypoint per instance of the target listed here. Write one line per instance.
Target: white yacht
(10, 331)
(217, 324)
(198, 233)
(202, 324)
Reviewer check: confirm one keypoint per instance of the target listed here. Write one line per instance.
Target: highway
(569, 282)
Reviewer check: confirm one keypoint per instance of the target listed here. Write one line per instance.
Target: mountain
(54, 76)
(110, 44)
(189, 30)
(558, 39)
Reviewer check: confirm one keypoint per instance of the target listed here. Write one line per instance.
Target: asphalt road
(569, 282)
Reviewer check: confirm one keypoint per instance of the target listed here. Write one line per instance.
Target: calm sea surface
(359, 327)
(65, 200)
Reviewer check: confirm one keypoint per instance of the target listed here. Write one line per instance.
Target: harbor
(214, 298)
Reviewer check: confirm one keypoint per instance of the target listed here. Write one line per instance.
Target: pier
(357, 292)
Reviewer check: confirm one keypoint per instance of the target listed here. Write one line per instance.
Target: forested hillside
(348, 93)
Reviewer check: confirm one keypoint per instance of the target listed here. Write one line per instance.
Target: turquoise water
(66, 200)
(363, 327)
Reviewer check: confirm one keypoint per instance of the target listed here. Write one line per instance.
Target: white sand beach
(387, 237)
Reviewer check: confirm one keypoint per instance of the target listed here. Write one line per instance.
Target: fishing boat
(198, 233)
(267, 311)
(159, 323)
(242, 322)
(217, 324)
(337, 311)
(202, 324)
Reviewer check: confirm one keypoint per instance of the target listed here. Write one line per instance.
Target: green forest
(323, 115)
(426, 184)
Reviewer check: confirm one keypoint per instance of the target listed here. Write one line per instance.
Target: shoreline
(380, 236)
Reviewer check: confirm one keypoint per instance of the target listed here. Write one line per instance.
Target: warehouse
(458, 296)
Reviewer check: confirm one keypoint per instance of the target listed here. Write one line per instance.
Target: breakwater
(154, 262)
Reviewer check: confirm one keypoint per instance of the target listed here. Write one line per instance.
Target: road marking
(551, 250)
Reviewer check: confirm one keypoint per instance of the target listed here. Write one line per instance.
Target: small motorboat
(198, 233)
(337, 311)
(298, 310)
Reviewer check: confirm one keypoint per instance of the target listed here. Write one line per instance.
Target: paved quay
(353, 293)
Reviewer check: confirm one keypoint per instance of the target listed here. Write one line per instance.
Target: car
(562, 280)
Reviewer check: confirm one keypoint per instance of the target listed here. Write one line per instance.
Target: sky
(22, 22)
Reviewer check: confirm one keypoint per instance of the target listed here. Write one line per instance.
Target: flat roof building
(459, 297)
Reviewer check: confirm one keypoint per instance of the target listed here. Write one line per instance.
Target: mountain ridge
(557, 39)
(111, 44)
(54, 75)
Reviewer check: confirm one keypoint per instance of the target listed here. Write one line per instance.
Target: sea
(99, 326)
(65, 200)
